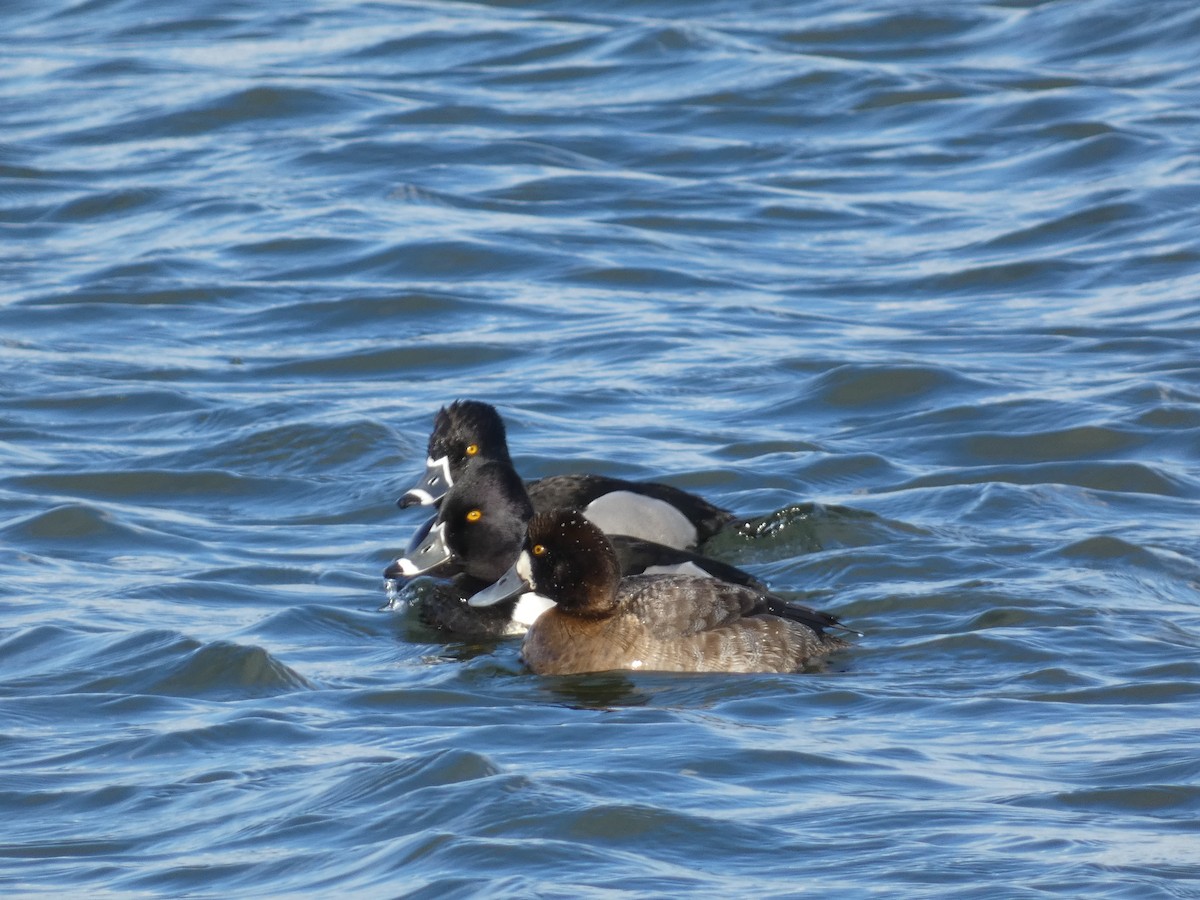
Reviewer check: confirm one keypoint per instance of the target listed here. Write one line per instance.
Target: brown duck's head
(571, 562)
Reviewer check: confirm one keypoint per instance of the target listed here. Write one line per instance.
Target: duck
(601, 621)
(477, 535)
(471, 430)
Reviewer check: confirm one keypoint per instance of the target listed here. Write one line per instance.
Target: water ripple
(910, 289)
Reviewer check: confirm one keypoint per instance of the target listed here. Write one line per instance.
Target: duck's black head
(467, 430)
(484, 517)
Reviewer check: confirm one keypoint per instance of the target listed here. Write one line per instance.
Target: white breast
(529, 607)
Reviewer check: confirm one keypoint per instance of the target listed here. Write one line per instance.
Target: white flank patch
(683, 568)
(624, 512)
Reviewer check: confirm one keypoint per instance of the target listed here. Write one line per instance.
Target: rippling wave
(912, 289)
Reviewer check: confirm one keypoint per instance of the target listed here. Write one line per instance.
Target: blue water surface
(914, 285)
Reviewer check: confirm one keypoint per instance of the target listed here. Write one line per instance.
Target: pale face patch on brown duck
(525, 569)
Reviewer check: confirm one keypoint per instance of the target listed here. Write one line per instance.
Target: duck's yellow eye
(472, 449)
(474, 515)
(537, 550)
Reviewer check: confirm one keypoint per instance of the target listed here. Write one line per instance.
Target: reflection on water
(603, 690)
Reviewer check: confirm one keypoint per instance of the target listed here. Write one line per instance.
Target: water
(916, 284)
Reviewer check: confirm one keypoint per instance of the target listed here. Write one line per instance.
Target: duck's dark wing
(673, 605)
(815, 619)
(577, 491)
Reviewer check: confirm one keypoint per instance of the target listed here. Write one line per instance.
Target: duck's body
(675, 623)
(478, 534)
(649, 510)
(469, 431)
(442, 606)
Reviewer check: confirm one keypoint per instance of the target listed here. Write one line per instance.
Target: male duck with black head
(467, 431)
(669, 623)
